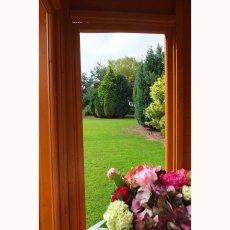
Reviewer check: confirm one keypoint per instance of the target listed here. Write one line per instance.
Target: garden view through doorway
(123, 105)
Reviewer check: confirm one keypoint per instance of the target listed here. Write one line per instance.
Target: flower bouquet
(148, 197)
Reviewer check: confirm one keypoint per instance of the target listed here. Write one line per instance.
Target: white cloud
(100, 47)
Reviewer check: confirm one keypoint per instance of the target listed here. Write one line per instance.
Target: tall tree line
(123, 87)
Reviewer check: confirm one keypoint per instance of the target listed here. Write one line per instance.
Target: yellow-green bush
(156, 110)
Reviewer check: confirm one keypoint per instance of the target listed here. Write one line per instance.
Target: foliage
(142, 99)
(139, 99)
(109, 106)
(112, 96)
(108, 143)
(122, 104)
(156, 110)
(90, 88)
(87, 111)
(134, 93)
(154, 61)
(112, 100)
(162, 125)
(107, 93)
(97, 74)
(127, 67)
(99, 108)
(159, 61)
(89, 100)
(147, 73)
(87, 85)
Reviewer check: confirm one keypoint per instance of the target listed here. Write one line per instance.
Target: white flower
(118, 216)
(186, 191)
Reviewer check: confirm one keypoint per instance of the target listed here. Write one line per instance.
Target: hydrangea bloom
(118, 216)
(186, 191)
(146, 176)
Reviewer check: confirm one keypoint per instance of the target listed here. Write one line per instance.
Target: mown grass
(107, 144)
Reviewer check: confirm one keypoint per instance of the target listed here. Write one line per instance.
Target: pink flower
(111, 172)
(129, 179)
(145, 176)
(176, 179)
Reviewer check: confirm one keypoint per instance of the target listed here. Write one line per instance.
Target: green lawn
(107, 144)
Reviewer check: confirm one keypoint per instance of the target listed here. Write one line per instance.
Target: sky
(101, 47)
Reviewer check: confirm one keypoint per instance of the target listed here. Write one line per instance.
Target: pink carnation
(145, 176)
(176, 179)
(111, 172)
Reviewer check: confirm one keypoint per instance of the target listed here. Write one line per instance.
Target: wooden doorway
(65, 194)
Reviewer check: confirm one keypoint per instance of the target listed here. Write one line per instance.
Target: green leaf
(118, 180)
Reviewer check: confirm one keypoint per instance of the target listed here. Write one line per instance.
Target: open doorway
(67, 182)
(123, 105)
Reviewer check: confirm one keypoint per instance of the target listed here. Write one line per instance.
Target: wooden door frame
(66, 166)
(49, 211)
(120, 22)
(104, 22)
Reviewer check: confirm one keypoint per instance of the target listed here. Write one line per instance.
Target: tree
(87, 83)
(127, 67)
(122, 104)
(149, 70)
(154, 61)
(142, 99)
(112, 100)
(90, 88)
(159, 60)
(99, 107)
(107, 93)
(97, 74)
(156, 110)
(84, 82)
(89, 101)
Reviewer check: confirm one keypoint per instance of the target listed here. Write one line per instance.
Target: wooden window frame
(104, 22)
(101, 22)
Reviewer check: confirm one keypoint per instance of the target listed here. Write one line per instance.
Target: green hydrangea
(186, 191)
(118, 216)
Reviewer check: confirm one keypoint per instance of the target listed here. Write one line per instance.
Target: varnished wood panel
(116, 17)
(169, 99)
(45, 165)
(52, 5)
(61, 121)
(151, 6)
(79, 126)
(187, 83)
(71, 175)
(187, 155)
(53, 119)
(179, 89)
(122, 28)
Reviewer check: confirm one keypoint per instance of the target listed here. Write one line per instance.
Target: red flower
(122, 193)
